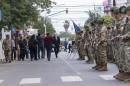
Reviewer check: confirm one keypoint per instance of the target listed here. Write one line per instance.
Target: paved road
(64, 71)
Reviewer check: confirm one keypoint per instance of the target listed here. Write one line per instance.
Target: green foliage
(19, 12)
(66, 35)
(40, 25)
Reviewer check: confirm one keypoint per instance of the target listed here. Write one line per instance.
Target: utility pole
(46, 18)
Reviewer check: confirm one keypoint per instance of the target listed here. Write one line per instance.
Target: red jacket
(48, 41)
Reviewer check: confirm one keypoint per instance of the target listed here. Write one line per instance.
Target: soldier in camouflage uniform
(88, 44)
(125, 50)
(80, 45)
(118, 48)
(114, 11)
(110, 56)
(102, 46)
(95, 33)
(7, 49)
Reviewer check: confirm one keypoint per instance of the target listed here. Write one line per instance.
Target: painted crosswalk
(1, 81)
(71, 79)
(63, 79)
(30, 81)
(107, 77)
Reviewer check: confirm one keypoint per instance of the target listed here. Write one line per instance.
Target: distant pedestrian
(2, 56)
(7, 49)
(56, 42)
(65, 45)
(22, 47)
(48, 45)
(13, 49)
(70, 46)
(33, 47)
(40, 46)
(25, 41)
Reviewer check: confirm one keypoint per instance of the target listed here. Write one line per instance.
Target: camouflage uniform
(102, 47)
(125, 47)
(110, 56)
(80, 46)
(88, 44)
(95, 40)
(119, 48)
(7, 50)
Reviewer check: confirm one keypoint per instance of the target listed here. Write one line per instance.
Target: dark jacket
(56, 41)
(40, 41)
(32, 44)
(48, 41)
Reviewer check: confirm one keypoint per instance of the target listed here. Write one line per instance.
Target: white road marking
(1, 81)
(107, 77)
(30, 81)
(71, 79)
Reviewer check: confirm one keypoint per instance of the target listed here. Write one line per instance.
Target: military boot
(127, 78)
(120, 75)
(103, 67)
(123, 76)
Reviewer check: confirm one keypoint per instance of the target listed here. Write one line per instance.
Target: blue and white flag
(76, 27)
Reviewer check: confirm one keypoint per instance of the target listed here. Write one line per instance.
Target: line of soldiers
(108, 44)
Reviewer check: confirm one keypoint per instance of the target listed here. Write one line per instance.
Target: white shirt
(13, 43)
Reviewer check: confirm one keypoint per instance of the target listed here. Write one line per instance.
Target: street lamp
(46, 19)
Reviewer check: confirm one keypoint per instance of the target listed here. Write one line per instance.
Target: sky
(77, 12)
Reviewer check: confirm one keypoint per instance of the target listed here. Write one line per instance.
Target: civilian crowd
(32, 47)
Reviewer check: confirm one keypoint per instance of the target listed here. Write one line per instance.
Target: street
(64, 71)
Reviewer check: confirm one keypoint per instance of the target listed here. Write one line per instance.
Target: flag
(0, 15)
(76, 27)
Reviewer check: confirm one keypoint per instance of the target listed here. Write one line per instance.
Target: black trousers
(56, 49)
(13, 54)
(33, 54)
(49, 49)
(22, 54)
(41, 51)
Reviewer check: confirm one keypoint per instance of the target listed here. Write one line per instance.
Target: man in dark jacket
(56, 43)
(33, 48)
(48, 45)
(40, 46)
(22, 46)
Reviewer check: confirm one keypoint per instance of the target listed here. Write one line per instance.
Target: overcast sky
(76, 12)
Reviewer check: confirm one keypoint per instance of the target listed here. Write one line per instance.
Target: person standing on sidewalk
(56, 43)
(13, 49)
(7, 49)
(40, 46)
(33, 47)
(48, 45)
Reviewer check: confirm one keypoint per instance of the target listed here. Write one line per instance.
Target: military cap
(100, 21)
(128, 8)
(122, 9)
(115, 10)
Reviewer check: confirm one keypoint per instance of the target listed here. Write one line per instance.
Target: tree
(19, 12)
(66, 35)
(40, 25)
